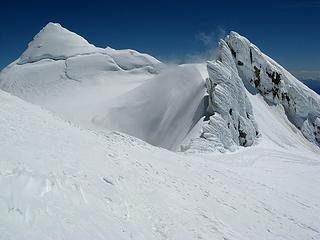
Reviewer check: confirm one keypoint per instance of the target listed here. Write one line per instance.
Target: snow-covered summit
(263, 75)
(55, 42)
(58, 43)
(65, 74)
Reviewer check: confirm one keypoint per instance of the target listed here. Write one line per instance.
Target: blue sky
(178, 31)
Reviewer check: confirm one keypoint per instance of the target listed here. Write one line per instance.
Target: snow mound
(63, 73)
(55, 42)
(161, 111)
(263, 75)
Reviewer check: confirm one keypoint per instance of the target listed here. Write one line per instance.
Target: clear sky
(178, 31)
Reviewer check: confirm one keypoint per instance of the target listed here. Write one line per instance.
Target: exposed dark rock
(275, 77)
(240, 63)
(234, 54)
(242, 134)
(257, 73)
(285, 96)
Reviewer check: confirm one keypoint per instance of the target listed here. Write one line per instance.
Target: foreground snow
(59, 181)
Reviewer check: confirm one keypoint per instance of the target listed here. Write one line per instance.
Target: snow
(161, 111)
(129, 59)
(72, 78)
(55, 42)
(277, 85)
(61, 181)
(65, 175)
(232, 122)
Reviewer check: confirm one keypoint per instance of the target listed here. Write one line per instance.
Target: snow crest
(55, 42)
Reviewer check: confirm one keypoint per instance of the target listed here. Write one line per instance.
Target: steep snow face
(232, 122)
(263, 75)
(161, 111)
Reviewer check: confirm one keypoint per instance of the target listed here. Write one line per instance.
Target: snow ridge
(263, 75)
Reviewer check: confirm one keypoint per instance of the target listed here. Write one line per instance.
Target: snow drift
(161, 111)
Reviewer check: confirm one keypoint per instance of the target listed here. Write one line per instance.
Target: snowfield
(68, 172)
(59, 181)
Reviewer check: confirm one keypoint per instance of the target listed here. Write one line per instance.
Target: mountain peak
(262, 75)
(55, 42)
(52, 25)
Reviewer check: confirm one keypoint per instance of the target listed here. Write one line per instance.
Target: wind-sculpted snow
(232, 122)
(161, 111)
(263, 75)
(129, 59)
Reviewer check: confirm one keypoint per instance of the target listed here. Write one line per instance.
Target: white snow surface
(59, 181)
(55, 42)
(61, 72)
(64, 175)
(161, 111)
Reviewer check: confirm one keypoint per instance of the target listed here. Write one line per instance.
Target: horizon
(173, 32)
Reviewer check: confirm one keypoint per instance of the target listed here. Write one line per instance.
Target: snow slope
(240, 66)
(59, 181)
(277, 85)
(161, 111)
